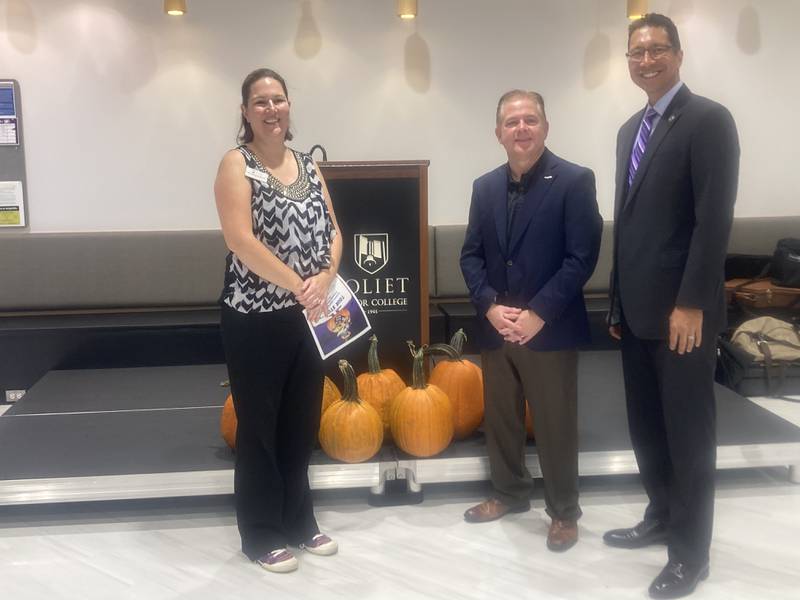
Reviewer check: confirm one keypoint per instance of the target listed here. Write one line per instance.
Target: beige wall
(127, 111)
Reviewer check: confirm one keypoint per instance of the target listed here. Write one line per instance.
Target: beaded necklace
(298, 189)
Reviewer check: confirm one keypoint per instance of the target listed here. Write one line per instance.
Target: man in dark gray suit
(677, 172)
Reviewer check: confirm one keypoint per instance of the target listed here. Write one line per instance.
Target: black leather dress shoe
(677, 580)
(643, 534)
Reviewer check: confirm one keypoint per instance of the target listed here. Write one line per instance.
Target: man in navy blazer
(677, 173)
(531, 244)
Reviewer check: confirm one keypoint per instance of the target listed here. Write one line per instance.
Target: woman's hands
(313, 294)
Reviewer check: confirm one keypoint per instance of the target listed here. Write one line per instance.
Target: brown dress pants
(549, 383)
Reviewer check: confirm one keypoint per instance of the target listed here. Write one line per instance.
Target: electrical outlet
(14, 395)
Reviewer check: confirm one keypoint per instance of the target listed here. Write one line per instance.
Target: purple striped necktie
(641, 142)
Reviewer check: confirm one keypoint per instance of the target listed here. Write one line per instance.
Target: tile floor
(188, 548)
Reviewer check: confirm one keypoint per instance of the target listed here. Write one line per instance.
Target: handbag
(732, 364)
(785, 265)
(761, 293)
(773, 344)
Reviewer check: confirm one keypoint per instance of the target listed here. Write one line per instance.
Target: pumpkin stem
(418, 376)
(350, 388)
(372, 355)
(457, 341)
(445, 349)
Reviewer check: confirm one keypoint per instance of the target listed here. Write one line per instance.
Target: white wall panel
(127, 111)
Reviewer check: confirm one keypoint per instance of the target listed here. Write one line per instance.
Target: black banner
(381, 229)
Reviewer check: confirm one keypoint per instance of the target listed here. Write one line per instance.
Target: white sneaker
(321, 545)
(278, 561)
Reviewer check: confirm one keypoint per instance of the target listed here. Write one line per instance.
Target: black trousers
(548, 381)
(672, 422)
(276, 380)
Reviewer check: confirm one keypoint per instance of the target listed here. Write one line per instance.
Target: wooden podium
(382, 209)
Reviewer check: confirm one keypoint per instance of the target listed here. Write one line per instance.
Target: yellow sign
(10, 217)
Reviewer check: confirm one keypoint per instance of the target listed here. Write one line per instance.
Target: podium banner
(382, 211)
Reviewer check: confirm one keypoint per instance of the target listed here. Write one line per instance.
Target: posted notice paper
(12, 205)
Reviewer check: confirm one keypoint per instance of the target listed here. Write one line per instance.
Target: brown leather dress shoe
(562, 535)
(491, 510)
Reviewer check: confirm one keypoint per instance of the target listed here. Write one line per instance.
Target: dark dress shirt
(516, 193)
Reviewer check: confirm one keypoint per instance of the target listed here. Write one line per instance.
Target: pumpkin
(330, 393)
(351, 430)
(227, 423)
(528, 422)
(462, 381)
(421, 416)
(379, 386)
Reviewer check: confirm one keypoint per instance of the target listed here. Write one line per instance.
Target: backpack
(785, 265)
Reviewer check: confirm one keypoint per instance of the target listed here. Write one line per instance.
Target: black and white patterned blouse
(292, 222)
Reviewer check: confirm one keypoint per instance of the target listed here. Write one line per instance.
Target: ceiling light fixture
(637, 9)
(175, 8)
(407, 9)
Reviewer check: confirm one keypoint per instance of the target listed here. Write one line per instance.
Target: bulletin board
(13, 184)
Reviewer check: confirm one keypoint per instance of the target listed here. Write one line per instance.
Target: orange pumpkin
(421, 416)
(528, 422)
(330, 393)
(462, 381)
(379, 386)
(351, 430)
(227, 423)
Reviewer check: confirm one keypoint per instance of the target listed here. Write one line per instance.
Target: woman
(285, 248)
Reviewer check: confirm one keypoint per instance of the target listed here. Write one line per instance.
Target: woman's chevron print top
(293, 223)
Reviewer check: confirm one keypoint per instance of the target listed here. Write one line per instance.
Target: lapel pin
(548, 176)
(671, 118)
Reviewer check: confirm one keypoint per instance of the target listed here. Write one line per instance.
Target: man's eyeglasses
(655, 52)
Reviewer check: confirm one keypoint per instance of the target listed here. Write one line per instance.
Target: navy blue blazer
(551, 253)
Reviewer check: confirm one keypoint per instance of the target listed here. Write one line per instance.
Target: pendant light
(407, 9)
(637, 9)
(175, 8)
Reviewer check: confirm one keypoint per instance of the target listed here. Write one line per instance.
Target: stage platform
(151, 432)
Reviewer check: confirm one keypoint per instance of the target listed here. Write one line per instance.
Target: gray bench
(102, 270)
(70, 300)
(100, 299)
(58, 272)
